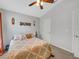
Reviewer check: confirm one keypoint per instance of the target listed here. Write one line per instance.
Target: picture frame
(25, 24)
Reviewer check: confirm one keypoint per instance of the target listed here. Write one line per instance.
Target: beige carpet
(59, 54)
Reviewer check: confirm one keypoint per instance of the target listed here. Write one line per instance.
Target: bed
(29, 49)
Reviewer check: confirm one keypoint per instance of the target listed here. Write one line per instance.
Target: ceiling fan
(40, 3)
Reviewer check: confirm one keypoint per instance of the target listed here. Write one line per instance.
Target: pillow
(29, 36)
(18, 37)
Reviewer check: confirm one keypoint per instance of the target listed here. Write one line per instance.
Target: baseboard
(63, 48)
(76, 55)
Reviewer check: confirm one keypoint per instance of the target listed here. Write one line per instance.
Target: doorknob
(76, 36)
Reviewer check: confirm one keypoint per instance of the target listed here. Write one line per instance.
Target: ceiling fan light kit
(40, 3)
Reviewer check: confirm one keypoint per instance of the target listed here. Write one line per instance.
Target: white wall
(61, 16)
(45, 29)
(10, 30)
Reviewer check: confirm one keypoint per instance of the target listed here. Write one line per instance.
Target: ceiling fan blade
(49, 1)
(41, 7)
(32, 3)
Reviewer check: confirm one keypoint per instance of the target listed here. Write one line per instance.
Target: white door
(76, 33)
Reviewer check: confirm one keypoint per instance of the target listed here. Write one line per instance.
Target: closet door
(1, 36)
(76, 33)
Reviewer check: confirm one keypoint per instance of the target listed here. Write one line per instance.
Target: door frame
(2, 32)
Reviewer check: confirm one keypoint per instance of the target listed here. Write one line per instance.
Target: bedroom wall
(10, 30)
(61, 16)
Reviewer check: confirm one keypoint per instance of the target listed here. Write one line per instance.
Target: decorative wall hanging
(13, 20)
(25, 24)
(34, 22)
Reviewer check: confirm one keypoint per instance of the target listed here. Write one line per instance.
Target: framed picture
(25, 24)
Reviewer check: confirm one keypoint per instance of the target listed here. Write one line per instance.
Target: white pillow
(17, 37)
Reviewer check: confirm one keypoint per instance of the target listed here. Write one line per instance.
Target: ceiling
(21, 6)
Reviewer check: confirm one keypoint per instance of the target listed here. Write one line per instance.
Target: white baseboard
(62, 48)
(76, 55)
